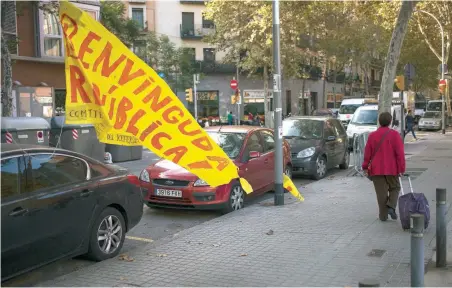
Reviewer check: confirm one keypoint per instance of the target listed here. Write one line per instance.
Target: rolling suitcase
(412, 203)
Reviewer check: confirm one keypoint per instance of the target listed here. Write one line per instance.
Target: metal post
(417, 250)
(402, 113)
(195, 96)
(277, 104)
(369, 283)
(240, 96)
(441, 228)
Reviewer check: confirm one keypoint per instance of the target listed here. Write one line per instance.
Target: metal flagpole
(277, 104)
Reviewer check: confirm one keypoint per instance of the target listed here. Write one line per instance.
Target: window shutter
(9, 22)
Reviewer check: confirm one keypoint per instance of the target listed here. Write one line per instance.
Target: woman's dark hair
(385, 119)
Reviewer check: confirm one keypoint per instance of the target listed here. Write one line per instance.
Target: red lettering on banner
(200, 165)
(222, 162)
(178, 153)
(182, 128)
(96, 94)
(148, 131)
(112, 108)
(121, 112)
(84, 47)
(77, 80)
(154, 95)
(203, 143)
(104, 57)
(68, 22)
(126, 77)
(131, 128)
(172, 119)
(143, 86)
(155, 141)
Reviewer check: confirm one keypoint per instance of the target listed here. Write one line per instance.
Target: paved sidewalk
(441, 277)
(332, 239)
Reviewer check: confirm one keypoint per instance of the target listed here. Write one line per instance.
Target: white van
(365, 119)
(348, 107)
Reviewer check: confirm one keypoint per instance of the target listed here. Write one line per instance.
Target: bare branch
(428, 41)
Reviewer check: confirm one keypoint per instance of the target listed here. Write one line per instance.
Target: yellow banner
(129, 104)
(289, 186)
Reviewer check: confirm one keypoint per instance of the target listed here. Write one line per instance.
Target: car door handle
(86, 193)
(18, 211)
(266, 161)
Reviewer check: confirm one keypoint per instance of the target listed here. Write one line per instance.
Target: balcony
(197, 31)
(211, 67)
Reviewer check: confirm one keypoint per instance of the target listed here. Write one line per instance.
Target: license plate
(168, 193)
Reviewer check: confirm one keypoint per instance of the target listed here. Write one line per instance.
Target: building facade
(38, 58)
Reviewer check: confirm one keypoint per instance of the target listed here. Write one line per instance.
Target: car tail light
(133, 179)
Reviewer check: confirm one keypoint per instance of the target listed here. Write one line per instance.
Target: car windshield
(365, 117)
(231, 143)
(303, 128)
(348, 108)
(432, 115)
(434, 106)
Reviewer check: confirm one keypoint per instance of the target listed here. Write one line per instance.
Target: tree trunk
(302, 108)
(7, 81)
(265, 97)
(392, 58)
(325, 71)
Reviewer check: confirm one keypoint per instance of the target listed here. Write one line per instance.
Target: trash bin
(81, 138)
(25, 130)
(121, 153)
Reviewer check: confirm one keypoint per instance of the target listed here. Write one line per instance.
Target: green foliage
(111, 16)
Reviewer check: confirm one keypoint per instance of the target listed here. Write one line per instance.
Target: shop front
(333, 101)
(254, 102)
(33, 102)
(208, 106)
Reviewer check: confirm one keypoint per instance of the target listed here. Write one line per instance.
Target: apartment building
(38, 58)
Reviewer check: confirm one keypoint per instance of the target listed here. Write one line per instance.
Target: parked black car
(61, 204)
(317, 144)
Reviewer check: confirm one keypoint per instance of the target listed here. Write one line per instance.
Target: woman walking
(384, 161)
(409, 120)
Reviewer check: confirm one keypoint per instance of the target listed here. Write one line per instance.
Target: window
(231, 143)
(328, 130)
(269, 141)
(51, 36)
(207, 24)
(209, 54)
(9, 25)
(48, 171)
(139, 48)
(10, 177)
(338, 128)
(254, 144)
(138, 16)
(92, 13)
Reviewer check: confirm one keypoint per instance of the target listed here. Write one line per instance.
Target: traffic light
(189, 95)
(400, 82)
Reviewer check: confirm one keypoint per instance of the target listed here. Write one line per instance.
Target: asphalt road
(159, 223)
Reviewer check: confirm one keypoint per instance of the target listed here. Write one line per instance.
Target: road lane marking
(149, 240)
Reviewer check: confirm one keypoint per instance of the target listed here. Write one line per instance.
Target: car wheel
(320, 166)
(346, 161)
(107, 235)
(236, 199)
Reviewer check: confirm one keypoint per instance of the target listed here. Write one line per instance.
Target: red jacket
(390, 157)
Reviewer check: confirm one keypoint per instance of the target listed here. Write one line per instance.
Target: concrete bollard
(441, 229)
(417, 250)
(369, 283)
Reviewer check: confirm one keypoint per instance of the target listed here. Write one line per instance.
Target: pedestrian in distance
(409, 120)
(384, 162)
(230, 118)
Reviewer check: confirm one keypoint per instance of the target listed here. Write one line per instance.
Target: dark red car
(251, 148)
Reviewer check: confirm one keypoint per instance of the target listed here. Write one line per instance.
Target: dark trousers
(410, 128)
(387, 189)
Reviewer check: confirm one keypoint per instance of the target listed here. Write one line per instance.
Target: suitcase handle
(409, 181)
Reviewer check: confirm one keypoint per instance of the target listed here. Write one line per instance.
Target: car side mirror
(331, 138)
(254, 154)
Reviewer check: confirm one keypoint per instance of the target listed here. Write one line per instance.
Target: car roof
(11, 149)
(318, 118)
(368, 107)
(352, 101)
(232, 128)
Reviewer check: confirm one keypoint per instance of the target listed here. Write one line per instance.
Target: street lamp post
(442, 66)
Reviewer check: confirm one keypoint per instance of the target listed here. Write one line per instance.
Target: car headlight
(200, 182)
(306, 152)
(144, 176)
